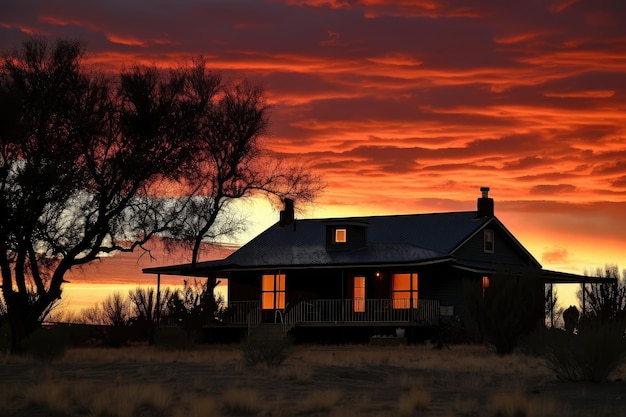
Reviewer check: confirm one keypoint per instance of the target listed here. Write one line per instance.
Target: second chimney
(484, 204)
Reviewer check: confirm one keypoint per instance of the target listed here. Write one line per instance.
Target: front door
(358, 297)
(272, 295)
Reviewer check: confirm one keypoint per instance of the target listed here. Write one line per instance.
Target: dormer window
(341, 236)
(337, 235)
(488, 241)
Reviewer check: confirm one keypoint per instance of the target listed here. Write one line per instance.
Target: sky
(408, 106)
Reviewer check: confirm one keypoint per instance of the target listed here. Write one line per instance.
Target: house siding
(505, 252)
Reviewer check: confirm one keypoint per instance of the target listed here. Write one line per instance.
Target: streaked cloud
(408, 106)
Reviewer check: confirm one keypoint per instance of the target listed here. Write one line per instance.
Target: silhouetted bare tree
(605, 301)
(91, 165)
(233, 162)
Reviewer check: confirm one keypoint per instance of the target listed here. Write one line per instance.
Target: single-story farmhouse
(376, 273)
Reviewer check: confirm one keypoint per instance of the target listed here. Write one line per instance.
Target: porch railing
(340, 311)
(239, 312)
(351, 311)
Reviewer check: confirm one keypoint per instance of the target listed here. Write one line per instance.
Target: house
(358, 276)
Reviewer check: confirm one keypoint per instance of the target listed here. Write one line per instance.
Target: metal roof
(394, 239)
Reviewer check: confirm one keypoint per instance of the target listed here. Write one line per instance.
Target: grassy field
(336, 381)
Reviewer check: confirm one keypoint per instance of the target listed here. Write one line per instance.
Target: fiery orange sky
(409, 106)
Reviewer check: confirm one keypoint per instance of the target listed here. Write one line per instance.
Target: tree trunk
(22, 319)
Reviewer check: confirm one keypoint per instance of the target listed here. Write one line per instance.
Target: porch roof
(549, 277)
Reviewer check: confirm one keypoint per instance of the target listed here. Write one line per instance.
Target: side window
(485, 284)
(404, 290)
(488, 243)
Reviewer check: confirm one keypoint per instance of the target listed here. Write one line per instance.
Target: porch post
(551, 305)
(343, 312)
(158, 300)
(583, 291)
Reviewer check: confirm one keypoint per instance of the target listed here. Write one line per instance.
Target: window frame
(400, 303)
(489, 238)
(358, 301)
(340, 231)
(276, 294)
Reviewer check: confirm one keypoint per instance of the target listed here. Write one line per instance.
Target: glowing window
(340, 236)
(404, 290)
(359, 294)
(273, 291)
(488, 241)
(485, 284)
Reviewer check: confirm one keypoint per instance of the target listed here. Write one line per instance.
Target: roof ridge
(376, 216)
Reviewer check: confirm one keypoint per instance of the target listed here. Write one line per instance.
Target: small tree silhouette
(509, 309)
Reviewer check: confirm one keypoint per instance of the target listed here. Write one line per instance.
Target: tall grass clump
(194, 405)
(322, 401)
(241, 402)
(515, 404)
(415, 399)
(266, 351)
(129, 400)
(52, 395)
(592, 354)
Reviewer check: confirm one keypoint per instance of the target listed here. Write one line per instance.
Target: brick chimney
(287, 215)
(484, 204)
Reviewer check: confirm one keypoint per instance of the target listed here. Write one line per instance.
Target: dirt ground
(314, 380)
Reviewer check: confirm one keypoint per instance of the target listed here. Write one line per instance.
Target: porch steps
(267, 333)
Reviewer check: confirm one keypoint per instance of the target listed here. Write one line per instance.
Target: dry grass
(513, 404)
(322, 400)
(53, 395)
(466, 381)
(124, 400)
(192, 405)
(242, 401)
(415, 399)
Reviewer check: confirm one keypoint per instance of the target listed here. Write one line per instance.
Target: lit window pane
(280, 300)
(401, 282)
(268, 282)
(404, 292)
(268, 301)
(340, 235)
(359, 294)
(280, 282)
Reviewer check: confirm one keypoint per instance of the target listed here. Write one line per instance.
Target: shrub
(5, 335)
(174, 338)
(591, 355)
(241, 401)
(268, 351)
(46, 345)
(508, 310)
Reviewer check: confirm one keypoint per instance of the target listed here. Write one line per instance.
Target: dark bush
(508, 309)
(590, 355)
(46, 344)
(174, 338)
(268, 351)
